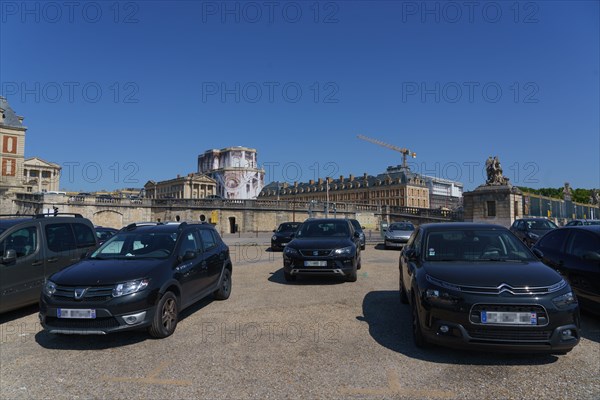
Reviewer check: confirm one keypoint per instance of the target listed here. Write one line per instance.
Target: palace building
(191, 186)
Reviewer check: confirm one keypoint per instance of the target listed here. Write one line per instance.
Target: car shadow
(390, 325)
(277, 277)
(19, 313)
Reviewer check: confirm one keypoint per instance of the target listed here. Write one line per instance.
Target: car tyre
(418, 337)
(403, 297)
(289, 277)
(166, 316)
(224, 290)
(352, 276)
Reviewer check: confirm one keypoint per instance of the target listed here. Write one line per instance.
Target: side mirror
(591, 256)
(274, 230)
(356, 234)
(411, 254)
(538, 253)
(10, 257)
(189, 255)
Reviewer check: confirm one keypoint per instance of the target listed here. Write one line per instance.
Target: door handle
(37, 262)
(54, 259)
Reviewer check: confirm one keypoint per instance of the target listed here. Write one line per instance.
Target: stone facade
(12, 149)
(493, 204)
(192, 186)
(40, 175)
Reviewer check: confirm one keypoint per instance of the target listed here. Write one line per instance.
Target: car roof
(590, 228)
(150, 227)
(460, 225)
(321, 220)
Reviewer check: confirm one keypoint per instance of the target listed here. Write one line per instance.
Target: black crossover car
(140, 278)
(283, 234)
(477, 286)
(361, 234)
(575, 252)
(529, 230)
(323, 247)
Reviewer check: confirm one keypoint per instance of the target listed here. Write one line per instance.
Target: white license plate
(503, 317)
(315, 263)
(76, 313)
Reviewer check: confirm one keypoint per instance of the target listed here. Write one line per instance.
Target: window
(84, 235)
(582, 242)
(23, 241)
(208, 240)
(491, 208)
(60, 237)
(188, 243)
(553, 241)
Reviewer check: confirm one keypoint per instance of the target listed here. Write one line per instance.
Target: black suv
(33, 247)
(283, 234)
(142, 277)
(323, 247)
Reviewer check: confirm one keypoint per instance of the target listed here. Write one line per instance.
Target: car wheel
(289, 277)
(224, 290)
(403, 297)
(359, 263)
(352, 276)
(418, 337)
(364, 246)
(165, 317)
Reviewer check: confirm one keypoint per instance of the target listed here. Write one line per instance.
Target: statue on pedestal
(567, 192)
(494, 172)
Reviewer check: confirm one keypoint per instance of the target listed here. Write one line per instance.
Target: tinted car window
(541, 224)
(84, 235)
(132, 245)
(23, 241)
(189, 242)
(288, 227)
(580, 243)
(552, 240)
(324, 229)
(60, 237)
(401, 227)
(208, 240)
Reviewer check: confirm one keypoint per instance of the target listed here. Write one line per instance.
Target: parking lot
(315, 338)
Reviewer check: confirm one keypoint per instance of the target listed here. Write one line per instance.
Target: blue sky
(122, 92)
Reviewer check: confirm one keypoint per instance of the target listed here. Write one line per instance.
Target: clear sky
(119, 93)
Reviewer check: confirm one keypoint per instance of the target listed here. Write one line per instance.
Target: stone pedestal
(495, 204)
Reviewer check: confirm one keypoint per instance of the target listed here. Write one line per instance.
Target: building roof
(11, 119)
(38, 162)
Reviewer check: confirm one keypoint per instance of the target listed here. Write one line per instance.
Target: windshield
(136, 245)
(288, 227)
(401, 227)
(475, 245)
(324, 229)
(2, 229)
(541, 225)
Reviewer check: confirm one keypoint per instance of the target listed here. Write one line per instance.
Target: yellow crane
(405, 152)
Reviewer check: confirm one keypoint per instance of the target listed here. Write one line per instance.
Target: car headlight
(565, 300)
(290, 251)
(49, 288)
(130, 287)
(343, 251)
(274, 237)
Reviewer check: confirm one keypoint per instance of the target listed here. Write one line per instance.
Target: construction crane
(405, 152)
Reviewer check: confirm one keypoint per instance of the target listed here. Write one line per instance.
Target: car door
(408, 266)
(21, 279)
(212, 255)
(552, 246)
(61, 247)
(583, 273)
(190, 272)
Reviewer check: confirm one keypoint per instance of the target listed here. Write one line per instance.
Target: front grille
(95, 294)
(68, 323)
(316, 253)
(510, 334)
(519, 291)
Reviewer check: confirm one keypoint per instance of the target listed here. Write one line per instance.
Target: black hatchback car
(283, 234)
(142, 277)
(574, 251)
(478, 286)
(323, 247)
(529, 230)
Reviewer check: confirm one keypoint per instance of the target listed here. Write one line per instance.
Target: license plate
(76, 313)
(315, 263)
(503, 317)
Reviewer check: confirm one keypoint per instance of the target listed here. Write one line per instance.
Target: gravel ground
(316, 338)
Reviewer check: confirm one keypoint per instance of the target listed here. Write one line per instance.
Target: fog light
(134, 318)
(567, 334)
(444, 329)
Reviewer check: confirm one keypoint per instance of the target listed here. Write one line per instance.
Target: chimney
(351, 178)
(311, 182)
(20, 118)
(320, 181)
(341, 178)
(365, 176)
(295, 184)
(178, 176)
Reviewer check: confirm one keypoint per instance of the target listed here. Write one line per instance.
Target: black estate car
(529, 230)
(323, 247)
(575, 252)
(34, 247)
(142, 277)
(283, 234)
(478, 286)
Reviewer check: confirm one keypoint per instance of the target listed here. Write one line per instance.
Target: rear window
(84, 235)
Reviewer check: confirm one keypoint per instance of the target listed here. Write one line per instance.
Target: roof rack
(134, 225)
(15, 215)
(51, 214)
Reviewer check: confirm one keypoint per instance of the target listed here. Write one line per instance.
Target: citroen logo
(79, 293)
(315, 253)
